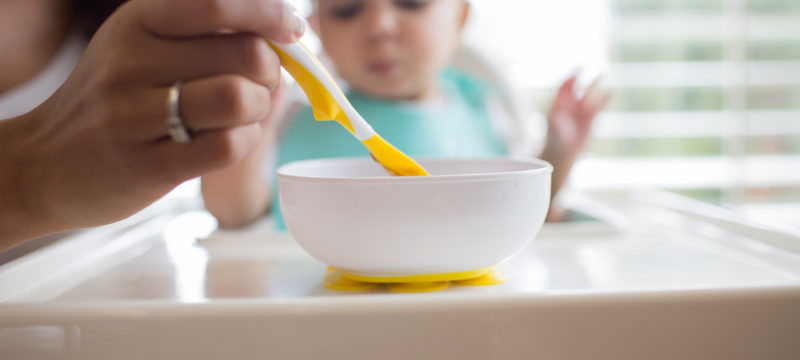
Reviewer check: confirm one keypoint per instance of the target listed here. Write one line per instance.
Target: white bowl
(468, 215)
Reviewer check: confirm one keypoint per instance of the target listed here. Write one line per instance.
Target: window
(706, 92)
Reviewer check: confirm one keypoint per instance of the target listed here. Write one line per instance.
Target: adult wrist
(19, 218)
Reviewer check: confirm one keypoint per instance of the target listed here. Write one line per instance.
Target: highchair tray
(640, 274)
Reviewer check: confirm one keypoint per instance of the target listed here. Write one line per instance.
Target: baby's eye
(344, 12)
(411, 4)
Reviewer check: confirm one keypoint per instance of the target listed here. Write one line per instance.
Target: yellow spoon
(329, 103)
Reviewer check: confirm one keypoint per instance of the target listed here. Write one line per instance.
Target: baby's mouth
(383, 67)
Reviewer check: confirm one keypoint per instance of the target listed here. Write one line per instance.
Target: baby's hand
(570, 118)
(569, 123)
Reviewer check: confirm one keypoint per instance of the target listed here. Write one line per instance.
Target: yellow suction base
(337, 279)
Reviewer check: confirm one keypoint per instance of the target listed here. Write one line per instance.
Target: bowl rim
(543, 167)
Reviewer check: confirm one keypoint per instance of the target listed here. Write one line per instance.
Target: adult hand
(98, 150)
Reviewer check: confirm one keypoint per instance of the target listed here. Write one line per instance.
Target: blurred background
(706, 93)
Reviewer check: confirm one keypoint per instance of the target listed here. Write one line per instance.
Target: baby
(395, 57)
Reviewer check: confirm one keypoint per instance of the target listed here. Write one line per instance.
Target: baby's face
(391, 49)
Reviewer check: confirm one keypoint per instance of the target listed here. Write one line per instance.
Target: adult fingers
(166, 61)
(273, 19)
(207, 151)
(223, 101)
(212, 103)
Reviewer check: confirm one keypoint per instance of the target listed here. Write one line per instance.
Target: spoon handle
(327, 99)
(329, 103)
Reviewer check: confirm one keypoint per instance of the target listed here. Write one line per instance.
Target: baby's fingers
(595, 98)
(565, 96)
(185, 18)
